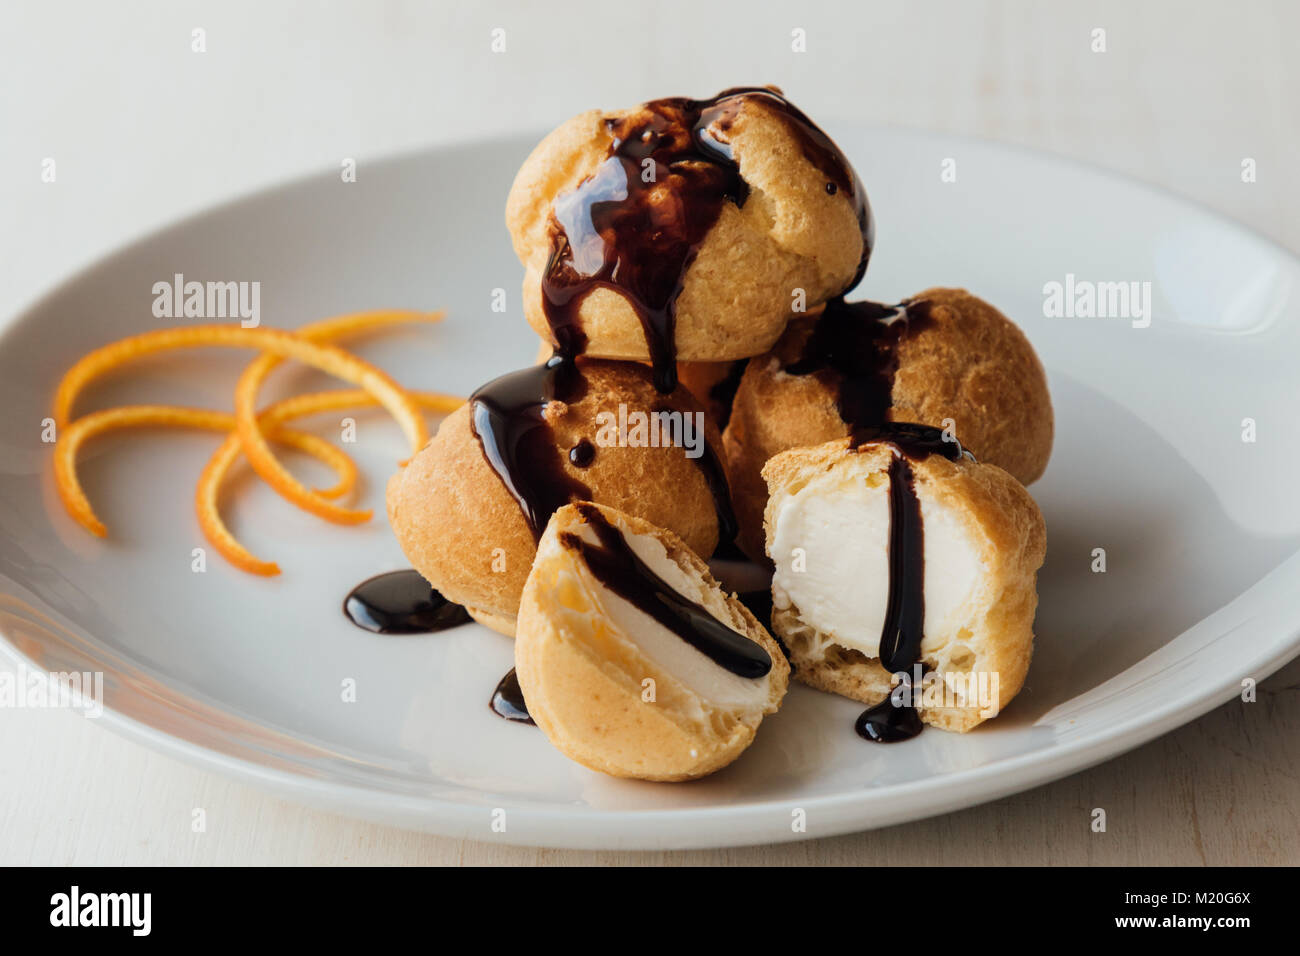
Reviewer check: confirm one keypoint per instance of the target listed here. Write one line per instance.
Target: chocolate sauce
(517, 441)
(507, 415)
(900, 638)
(508, 700)
(634, 226)
(886, 723)
(637, 222)
(715, 476)
(583, 453)
(401, 602)
(853, 349)
(916, 442)
(904, 627)
(617, 566)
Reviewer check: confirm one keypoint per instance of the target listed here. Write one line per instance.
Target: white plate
(1201, 529)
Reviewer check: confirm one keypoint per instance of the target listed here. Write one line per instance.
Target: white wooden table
(143, 129)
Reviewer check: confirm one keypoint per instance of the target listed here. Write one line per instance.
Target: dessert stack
(707, 386)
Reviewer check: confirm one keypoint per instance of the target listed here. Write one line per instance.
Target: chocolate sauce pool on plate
(508, 700)
(401, 602)
(886, 723)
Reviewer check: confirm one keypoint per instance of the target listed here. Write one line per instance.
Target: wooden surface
(144, 130)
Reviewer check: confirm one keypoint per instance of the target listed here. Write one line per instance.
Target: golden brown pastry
(632, 659)
(464, 529)
(948, 360)
(952, 546)
(643, 239)
(712, 383)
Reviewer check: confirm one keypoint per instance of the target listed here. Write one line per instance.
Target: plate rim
(709, 826)
(153, 232)
(715, 826)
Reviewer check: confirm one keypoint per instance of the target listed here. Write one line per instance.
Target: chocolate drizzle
(904, 627)
(900, 638)
(636, 224)
(715, 476)
(583, 453)
(853, 349)
(401, 602)
(507, 415)
(508, 700)
(887, 723)
(616, 565)
(916, 442)
(508, 418)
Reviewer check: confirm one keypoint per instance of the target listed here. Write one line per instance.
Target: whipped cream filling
(830, 547)
(714, 684)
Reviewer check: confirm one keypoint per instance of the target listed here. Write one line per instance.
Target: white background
(143, 131)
